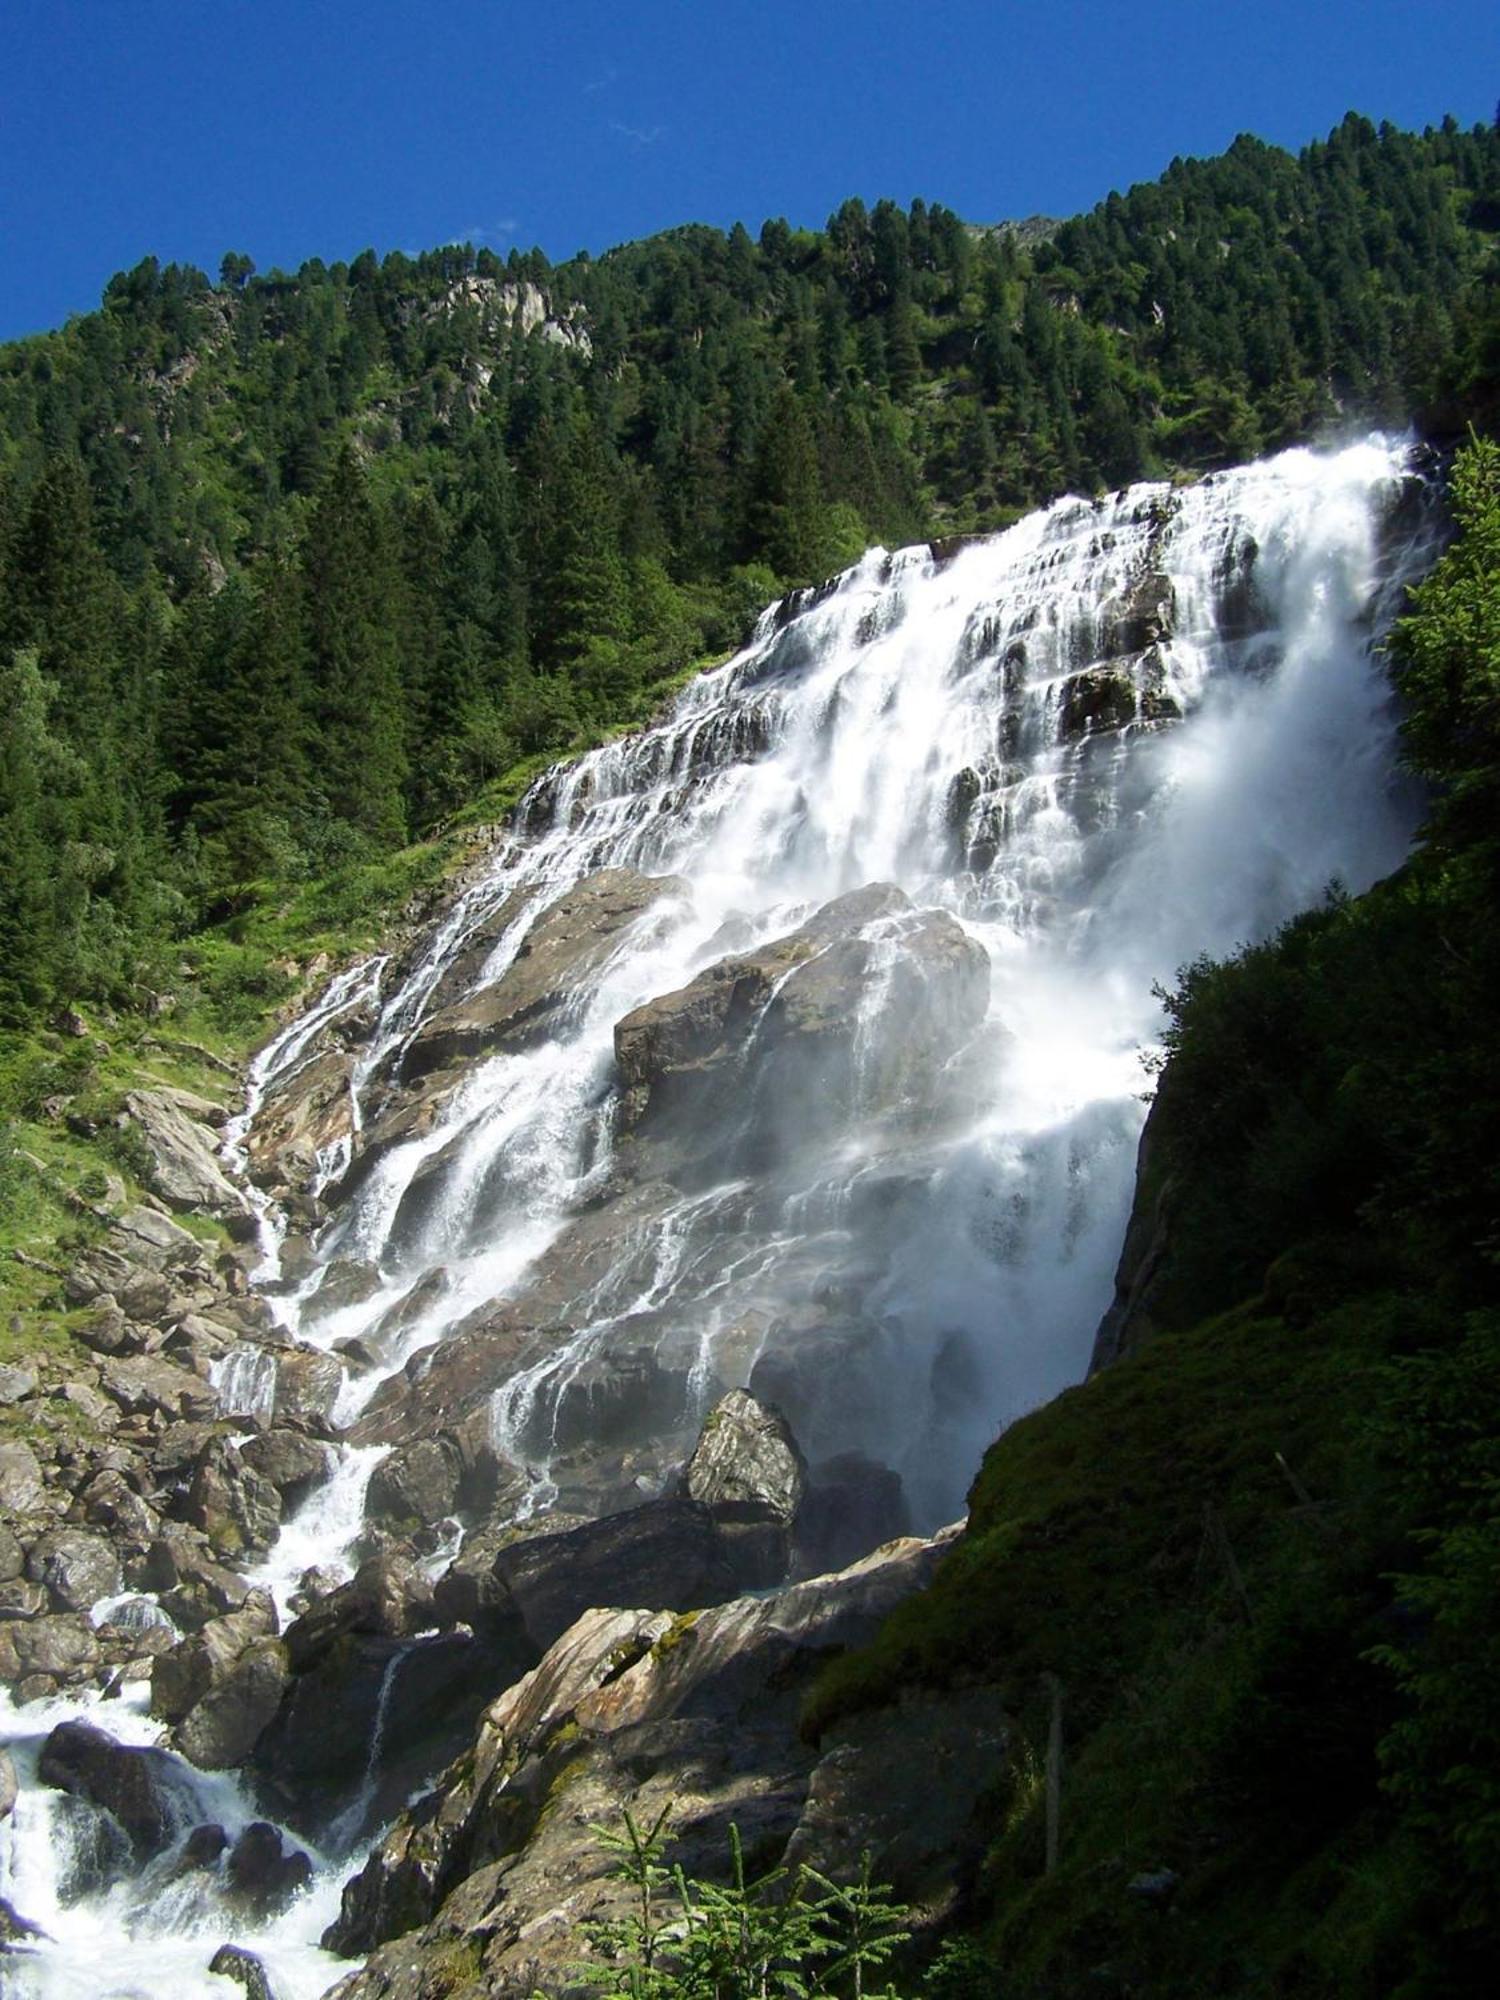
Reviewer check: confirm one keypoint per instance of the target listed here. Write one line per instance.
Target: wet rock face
(567, 942)
(766, 1052)
(131, 1785)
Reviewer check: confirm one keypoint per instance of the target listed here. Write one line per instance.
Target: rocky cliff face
(642, 1711)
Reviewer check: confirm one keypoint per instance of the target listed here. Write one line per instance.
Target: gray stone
(753, 1060)
(16, 1384)
(222, 1730)
(184, 1165)
(143, 1384)
(570, 939)
(307, 1386)
(633, 1710)
(417, 1485)
(238, 1510)
(21, 1486)
(181, 1677)
(9, 1789)
(75, 1567)
(63, 1647)
(294, 1463)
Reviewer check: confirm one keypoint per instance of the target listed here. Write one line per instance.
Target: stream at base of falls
(798, 1045)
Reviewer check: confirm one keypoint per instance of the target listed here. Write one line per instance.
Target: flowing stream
(1118, 735)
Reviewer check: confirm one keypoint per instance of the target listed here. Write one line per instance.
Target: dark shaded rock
(853, 1505)
(76, 1568)
(130, 1785)
(262, 1874)
(388, 1597)
(669, 1553)
(1130, 1322)
(232, 1961)
(345, 1282)
(202, 1847)
(193, 1588)
(15, 1929)
(295, 1464)
(417, 1699)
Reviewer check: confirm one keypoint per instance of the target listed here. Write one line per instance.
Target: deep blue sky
(298, 128)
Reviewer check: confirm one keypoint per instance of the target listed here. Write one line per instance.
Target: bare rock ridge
(633, 1709)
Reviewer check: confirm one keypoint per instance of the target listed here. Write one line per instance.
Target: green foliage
(790, 1931)
(1261, 1551)
(301, 562)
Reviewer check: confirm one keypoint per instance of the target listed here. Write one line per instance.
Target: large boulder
(669, 1553)
(262, 1874)
(221, 1731)
(635, 1710)
(182, 1156)
(294, 1463)
(748, 1471)
(183, 1675)
(569, 939)
(237, 1509)
(22, 1487)
(76, 1568)
(847, 1020)
(134, 1786)
(146, 1385)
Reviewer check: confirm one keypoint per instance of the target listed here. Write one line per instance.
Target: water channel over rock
(792, 1045)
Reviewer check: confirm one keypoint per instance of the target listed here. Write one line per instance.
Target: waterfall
(1124, 732)
(795, 1042)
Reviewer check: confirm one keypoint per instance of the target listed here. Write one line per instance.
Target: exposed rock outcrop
(633, 1709)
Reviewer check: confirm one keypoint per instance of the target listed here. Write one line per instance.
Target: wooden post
(1054, 1770)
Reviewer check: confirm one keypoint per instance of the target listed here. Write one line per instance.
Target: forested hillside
(294, 565)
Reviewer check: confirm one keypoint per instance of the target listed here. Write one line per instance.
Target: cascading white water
(1123, 733)
(1120, 734)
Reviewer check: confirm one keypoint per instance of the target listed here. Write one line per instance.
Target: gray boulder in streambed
(135, 1787)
